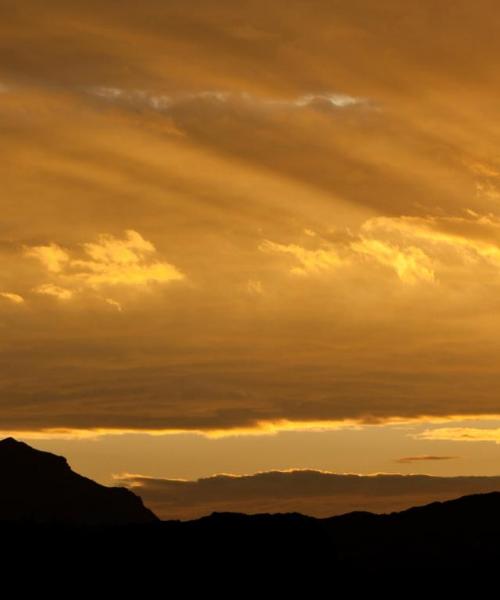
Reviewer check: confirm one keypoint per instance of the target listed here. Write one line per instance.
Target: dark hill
(70, 521)
(40, 487)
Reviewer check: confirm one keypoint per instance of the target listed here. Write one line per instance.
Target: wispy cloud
(164, 102)
(116, 305)
(417, 249)
(311, 261)
(461, 434)
(11, 297)
(108, 262)
(424, 458)
(52, 256)
(49, 289)
(125, 261)
(254, 286)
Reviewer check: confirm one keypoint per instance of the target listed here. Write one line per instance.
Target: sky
(249, 238)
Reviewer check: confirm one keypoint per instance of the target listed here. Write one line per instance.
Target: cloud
(424, 249)
(214, 427)
(461, 434)
(411, 264)
(11, 297)
(471, 236)
(52, 256)
(248, 138)
(128, 251)
(337, 100)
(114, 303)
(49, 289)
(122, 262)
(311, 261)
(424, 457)
(316, 493)
(165, 102)
(254, 286)
(110, 261)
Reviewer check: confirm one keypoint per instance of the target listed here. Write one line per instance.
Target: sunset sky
(241, 237)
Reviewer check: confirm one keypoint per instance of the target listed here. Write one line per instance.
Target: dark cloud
(310, 492)
(425, 457)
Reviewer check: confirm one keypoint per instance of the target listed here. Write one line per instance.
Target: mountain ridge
(462, 532)
(40, 486)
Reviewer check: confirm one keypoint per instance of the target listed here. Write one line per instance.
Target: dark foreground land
(458, 534)
(53, 521)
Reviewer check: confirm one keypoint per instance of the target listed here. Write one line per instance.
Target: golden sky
(252, 219)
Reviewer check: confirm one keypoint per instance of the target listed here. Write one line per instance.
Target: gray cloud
(311, 492)
(165, 102)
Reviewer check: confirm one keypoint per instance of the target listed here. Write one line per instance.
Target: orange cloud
(52, 256)
(291, 239)
(11, 297)
(111, 262)
(311, 261)
(49, 289)
(461, 434)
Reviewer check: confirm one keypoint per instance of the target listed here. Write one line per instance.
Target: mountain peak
(17, 455)
(40, 486)
(10, 441)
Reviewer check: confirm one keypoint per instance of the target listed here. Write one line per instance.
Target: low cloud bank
(310, 492)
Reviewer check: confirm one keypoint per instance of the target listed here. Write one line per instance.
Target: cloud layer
(236, 218)
(315, 493)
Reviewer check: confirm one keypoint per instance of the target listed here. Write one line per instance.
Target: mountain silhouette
(40, 487)
(69, 520)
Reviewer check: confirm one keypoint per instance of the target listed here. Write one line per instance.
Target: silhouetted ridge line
(46, 507)
(40, 487)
